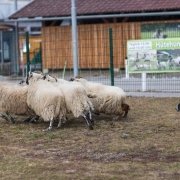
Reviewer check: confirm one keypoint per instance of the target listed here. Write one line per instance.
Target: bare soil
(146, 145)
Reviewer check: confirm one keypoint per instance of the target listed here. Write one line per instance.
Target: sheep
(45, 100)
(109, 100)
(162, 64)
(76, 98)
(176, 61)
(13, 101)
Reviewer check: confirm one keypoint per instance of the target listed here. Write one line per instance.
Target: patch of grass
(144, 146)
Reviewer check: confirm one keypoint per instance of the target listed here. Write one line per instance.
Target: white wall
(7, 7)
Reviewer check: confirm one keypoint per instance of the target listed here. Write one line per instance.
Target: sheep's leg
(64, 120)
(4, 117)
(50, 126)
(31, 119)
(8, 117)
(88, 122)
(34, 119)
(116, 118)
(27, 120)
(125, 114)
(90, 118)
(59, 123)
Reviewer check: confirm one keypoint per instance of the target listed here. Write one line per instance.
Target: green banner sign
(153, 55)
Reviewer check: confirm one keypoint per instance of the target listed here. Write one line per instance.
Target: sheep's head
(75, 78)
(34, 76)
(50, 78)
(125, 108)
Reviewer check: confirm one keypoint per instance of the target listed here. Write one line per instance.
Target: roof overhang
(6, 27)
(145, 14)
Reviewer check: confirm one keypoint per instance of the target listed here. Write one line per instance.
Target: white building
(8, 7)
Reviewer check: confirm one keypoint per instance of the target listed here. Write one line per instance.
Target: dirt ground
(144, 146)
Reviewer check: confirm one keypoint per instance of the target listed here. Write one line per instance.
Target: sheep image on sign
(153, 55)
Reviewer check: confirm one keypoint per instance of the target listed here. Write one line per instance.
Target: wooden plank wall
(93, 45)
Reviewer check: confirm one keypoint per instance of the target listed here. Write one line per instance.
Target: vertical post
(17, 62)
(126, 68)
(40, 60)
(27, 52)
(74, 38)
(15, 5)
(111, 56)
(17, 47)
(143, 81)
(1, 49)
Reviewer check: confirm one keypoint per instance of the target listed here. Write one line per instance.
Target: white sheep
(162, 64)
(76, 98)
(13, 100)
(109, 100)
(45, 99)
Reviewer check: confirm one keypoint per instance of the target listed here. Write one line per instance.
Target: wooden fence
(93, 45)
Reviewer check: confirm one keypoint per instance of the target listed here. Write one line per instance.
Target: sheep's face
(125, 108)
(178, 107)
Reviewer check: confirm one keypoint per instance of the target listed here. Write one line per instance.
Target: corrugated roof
(56, 8)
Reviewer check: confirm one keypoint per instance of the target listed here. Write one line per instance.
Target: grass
(144, 146)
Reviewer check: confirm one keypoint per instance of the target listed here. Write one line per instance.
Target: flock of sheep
(52, 99)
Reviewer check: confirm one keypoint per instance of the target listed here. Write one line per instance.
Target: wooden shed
(128, 20)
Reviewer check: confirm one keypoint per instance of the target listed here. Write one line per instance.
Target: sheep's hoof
(59, 127)
(91, 128)
(12, 120)
(92, 122)
(48, 129)
(116, 118)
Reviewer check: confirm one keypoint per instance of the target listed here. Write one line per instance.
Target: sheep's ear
(71, 79)
(30, 74)
(21, 82)
(78, 77)
(44, 77)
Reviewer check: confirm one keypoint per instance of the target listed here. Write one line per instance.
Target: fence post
(111, 56)
(40, 47)
(126, 68)
(27, 52)
(143, 79)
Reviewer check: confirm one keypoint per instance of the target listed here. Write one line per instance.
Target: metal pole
(74, 38)
(15, 5)
(27, 52)
(16, 38)
(111, 56)
(1, 49)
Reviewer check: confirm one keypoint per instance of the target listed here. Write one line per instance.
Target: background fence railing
(102, 50)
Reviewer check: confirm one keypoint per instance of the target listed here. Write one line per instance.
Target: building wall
(93, 45)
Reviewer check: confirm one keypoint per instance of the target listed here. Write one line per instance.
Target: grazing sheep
(109, 100)
(13, 100)
(76, 98)
(45, 99)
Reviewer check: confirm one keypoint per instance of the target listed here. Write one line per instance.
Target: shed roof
(58, 8)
